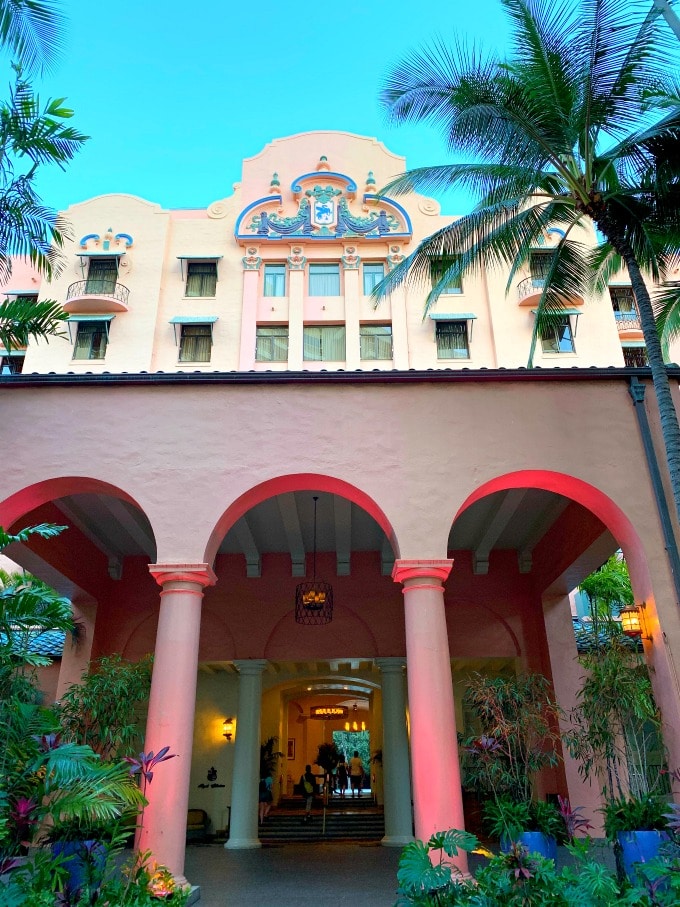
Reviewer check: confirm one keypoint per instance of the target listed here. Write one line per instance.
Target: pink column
(172, 703)
(437, 794)
(251, 277)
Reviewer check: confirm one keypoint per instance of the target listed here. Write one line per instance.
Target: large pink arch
(588, 496)
(33, 496)
(303, 481)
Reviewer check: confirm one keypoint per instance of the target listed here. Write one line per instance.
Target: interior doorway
(350, 742)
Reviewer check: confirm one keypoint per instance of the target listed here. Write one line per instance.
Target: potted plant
(639, 826)
(534, 824)
(517, 716)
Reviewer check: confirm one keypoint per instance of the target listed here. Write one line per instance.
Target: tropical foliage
(32, 31)
(517, 721)
(615, 729)
(106, 708)
(578, 129)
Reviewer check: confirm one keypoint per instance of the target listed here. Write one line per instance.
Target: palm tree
(32, 135)
(580, 127)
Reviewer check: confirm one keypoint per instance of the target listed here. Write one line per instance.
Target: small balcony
(96, 296)
(530, 289)
(628, 322)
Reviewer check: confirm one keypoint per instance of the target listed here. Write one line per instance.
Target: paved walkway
(294, 875)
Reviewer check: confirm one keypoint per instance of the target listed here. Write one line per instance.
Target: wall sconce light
(228, 728)
(633, 622)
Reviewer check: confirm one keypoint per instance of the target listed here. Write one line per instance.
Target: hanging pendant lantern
(314, 599)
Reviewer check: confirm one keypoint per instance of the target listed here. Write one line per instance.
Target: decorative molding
(350, 259)
(199, 574)
(251, 260)
(438, 570)
(217, 210)
(296, 260)
(395, 257)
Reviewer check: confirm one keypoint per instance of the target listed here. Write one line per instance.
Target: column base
(194, 895)
(242, 844)
(396, 840)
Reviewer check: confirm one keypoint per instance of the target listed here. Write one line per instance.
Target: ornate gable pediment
(322, 205)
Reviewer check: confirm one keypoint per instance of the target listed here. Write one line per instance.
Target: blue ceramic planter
(639, 847)
(84, 861)
(534, 842)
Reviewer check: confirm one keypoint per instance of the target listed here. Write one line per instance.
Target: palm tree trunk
(668, 416)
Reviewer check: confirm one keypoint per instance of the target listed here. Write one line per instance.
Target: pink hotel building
(224, 367)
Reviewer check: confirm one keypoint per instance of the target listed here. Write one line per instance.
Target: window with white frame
(195, 343)
(324, 280)
(274, 279)
(438, 268)
(102, 274)
(557, 335)
(271, 344)
(201, 278)
(324, 343)
(373, 273)
(92, 338)
(375, 341)
(452, 340)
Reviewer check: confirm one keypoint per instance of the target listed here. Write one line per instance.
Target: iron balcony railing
(528, 286)
(98, 288)
(627, 321)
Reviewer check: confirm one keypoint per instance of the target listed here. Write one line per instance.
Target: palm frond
(33, 30)
(25, 319)
(44, 530)
(666, 303)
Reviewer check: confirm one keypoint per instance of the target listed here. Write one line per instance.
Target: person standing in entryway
(356, 773)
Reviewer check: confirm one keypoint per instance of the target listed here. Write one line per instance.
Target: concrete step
(339, 826)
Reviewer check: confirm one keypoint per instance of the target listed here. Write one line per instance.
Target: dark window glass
(201, 278)
(452, 340)
(195, 343)
(91, 340)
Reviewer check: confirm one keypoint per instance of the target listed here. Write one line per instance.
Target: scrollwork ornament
(217, 210)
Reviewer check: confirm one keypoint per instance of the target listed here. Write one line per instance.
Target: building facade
(231, 415)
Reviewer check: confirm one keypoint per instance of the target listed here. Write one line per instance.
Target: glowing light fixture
(314, 600)
(633, 622)
(355, 726)
(228, 728)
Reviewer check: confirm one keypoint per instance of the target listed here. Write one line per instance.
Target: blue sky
(174, 95)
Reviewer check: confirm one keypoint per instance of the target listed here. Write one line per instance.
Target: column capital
(430, 570)
(392, 665)
(252, 666)
(201, 574)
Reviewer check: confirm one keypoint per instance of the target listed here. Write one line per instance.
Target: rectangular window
(623, 302)
(201, 278)
(375, 341)
(274, 280)
(452, 340)
(324, 280)
(324, 343)
(271, 344)
(11, 365)
(556, 336)
(195, 343)
(635, 357)
(91, 340)
(539, 265)
(438, 269)
(373, 274)
(102, 276)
